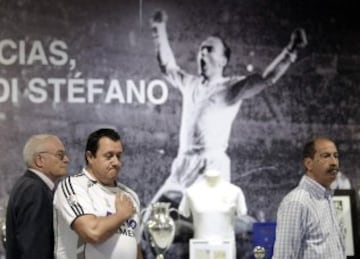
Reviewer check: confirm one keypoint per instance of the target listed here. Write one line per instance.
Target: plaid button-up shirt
(307, 225)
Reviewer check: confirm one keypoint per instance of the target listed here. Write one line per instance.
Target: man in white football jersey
(96, 217)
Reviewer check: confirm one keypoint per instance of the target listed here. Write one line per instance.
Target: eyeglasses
(60, 154)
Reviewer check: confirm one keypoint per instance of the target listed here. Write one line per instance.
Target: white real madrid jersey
(79, 195)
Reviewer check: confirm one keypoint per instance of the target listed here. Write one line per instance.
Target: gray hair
(35, 144)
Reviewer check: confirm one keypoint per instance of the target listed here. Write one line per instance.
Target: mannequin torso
(214, 205)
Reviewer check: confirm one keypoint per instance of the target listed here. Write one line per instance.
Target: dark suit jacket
(29, 220)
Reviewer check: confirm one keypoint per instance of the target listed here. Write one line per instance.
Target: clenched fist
(297, 40)
(159, 17)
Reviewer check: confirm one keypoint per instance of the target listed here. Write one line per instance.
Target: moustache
(333, 169)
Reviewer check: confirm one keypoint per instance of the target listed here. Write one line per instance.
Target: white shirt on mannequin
(214, 205)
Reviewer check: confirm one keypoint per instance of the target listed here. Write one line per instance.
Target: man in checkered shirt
(307, 226)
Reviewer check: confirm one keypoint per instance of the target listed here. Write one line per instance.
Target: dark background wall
(111, 39)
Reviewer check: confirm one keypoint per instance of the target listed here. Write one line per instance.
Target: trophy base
(160, 256)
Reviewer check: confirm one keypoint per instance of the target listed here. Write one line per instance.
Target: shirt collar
(88, 175)
(44, 178)
(93, 179)
(314, 187)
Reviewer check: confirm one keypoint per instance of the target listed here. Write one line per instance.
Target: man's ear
(38, 160)
(308, 163)
(88, 155)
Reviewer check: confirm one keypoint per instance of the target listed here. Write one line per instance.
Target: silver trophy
(259, 252)
(160, 228)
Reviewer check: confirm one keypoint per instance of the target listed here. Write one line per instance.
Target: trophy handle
(177, 213)
(142, 214)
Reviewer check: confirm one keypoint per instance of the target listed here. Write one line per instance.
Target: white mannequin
(214, 205)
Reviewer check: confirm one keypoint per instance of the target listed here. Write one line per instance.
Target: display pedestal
(211, 249)
(264, 235)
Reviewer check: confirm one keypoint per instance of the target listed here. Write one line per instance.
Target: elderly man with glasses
(29, 219)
